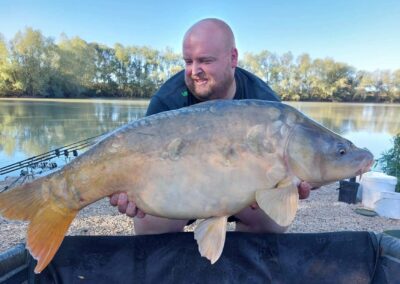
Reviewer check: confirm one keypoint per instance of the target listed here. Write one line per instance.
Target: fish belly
(200, 188)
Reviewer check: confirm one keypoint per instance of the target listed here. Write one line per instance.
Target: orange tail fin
(49, 220)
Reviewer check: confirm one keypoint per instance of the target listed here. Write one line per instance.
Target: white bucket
(378, 193)
(388, 205)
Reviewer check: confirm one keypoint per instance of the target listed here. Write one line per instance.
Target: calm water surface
(32, 127)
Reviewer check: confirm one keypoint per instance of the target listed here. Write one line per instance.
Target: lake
(29, 127)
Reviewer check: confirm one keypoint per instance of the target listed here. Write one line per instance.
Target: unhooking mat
(339, 257)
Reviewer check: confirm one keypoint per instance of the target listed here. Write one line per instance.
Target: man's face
(209, 67)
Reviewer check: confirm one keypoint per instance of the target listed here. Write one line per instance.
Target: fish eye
(341, 149)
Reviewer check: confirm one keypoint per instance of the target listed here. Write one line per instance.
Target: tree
(106, 65)
(123, 63)
(365, 88)
(330, 80)
(341, 77)
(31, 59)
(378, 86)
(146, 61)
(396, 86)
(33, 65)
(390, 160)
(288, 85)
(264, 64)
(77, 66)
(304, 65)
(5, 72)
(385, 86)
(170, 64)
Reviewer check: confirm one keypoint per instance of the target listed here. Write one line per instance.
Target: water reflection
(31, 127)
(345, 118)
(371, 126)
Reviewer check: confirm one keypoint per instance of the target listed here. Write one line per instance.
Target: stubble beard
(212, 89)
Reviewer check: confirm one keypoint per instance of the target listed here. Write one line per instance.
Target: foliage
(390, 161)
(35, 66)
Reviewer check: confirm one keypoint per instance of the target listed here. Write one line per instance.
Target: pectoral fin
(279, 203)
(210, 235)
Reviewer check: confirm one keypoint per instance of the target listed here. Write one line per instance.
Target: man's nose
(196, 68)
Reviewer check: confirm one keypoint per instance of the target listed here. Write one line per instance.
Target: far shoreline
(145, 102)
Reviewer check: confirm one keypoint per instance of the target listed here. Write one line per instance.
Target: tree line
(32, 65)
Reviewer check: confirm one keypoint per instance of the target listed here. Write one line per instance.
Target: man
(210, 73)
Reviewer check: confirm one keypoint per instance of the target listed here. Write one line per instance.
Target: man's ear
(234, 57)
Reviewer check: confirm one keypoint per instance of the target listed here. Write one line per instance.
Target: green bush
(390, 161)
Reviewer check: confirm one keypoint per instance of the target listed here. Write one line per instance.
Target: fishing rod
(34, 163)
(64, 150)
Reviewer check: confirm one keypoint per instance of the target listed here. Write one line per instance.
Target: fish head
(319, 156)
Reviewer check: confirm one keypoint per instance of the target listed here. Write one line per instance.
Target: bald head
(212, 30)
(210, 60)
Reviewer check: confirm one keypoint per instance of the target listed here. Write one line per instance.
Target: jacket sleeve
(156, 106)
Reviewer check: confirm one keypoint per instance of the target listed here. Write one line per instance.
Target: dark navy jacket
(174, 94)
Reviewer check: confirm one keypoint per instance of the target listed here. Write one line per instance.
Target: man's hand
(304, 190)
(126, 206)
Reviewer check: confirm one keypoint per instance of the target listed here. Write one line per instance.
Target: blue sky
(362, 33)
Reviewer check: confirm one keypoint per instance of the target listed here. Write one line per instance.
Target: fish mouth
(365, 168)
